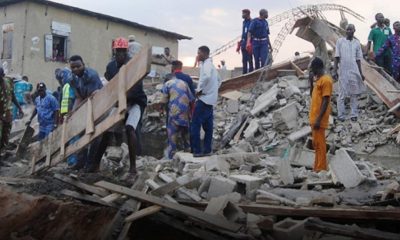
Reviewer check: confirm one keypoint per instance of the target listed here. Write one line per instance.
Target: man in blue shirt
(22, 88)
(47, 109)
(85, 82)
(258, 39)
(247, 59)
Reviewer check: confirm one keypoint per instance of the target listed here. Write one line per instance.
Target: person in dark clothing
(136, 102)
(177, 72)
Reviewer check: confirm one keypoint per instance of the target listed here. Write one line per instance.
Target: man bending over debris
(47, 109)
(207, 96)
(348, 56)
(177, 94)
(320, 110)
(136, 103)
(7, 98)
(85, 82)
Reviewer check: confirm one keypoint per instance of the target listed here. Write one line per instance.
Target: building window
(7, 30)
(56, 44)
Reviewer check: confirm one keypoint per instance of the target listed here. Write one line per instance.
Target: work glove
(249, 47)
(238, 46)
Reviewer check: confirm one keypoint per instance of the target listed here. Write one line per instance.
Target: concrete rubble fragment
(344, 169)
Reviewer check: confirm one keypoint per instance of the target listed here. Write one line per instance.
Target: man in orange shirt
(320, 109)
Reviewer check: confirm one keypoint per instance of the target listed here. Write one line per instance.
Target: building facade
(38, 36)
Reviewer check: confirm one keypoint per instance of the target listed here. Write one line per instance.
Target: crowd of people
(188, 108)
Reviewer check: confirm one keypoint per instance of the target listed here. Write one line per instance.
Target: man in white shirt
(348, 57)
(207, 96)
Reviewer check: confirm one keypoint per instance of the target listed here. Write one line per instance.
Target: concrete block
(282, 102)
(286, 115)
(216, 164)
(285, 170)
(220, 186)
(344, 169)
(181, 159)
(251, 129)
(232, 106)
(303, 132)
(304, 157)
(289, 229)
(226, 207)
(246, 183)
(291, 90)
(265, 100)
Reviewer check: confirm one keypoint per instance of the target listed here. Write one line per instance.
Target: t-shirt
(22, 87)
(6, 95)
(136, 94)
(186, 78)
(245, 30)
(85, 85)
(45, 109)
(379, 36)
(322, 88)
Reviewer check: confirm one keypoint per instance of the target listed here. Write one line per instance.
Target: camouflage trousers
(5, 130)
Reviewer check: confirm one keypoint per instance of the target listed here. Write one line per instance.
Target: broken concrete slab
(246, 183)
(251, 129)
(286, 115)
(344, 170)
(216, 164)
(301, 133)
(285, 170)
(265, 100)
(232, 106)
(220, 186)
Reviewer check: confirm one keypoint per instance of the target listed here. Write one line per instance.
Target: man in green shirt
(7, 98)
(378, 37)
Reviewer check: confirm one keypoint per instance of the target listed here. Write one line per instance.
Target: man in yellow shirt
(320, 109)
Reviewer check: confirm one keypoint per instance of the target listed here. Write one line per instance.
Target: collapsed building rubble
(258, 184)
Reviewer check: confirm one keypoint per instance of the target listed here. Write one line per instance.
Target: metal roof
(99, 16)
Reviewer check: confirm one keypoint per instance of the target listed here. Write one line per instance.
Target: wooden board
(135, 70)
(85, 197)
(143, 213)
(89, 188)
(212, 220)
(25, 141)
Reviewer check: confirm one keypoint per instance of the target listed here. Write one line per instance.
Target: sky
(216, 22)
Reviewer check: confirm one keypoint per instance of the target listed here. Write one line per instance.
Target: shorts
(134, 116)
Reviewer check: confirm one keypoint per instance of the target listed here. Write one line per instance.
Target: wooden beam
(88, 188)
(89, 117)
(85, 197)
(211, 220)
(111, 198)
(136, 69)
(336, 212)
(143, 213)
(355, 232)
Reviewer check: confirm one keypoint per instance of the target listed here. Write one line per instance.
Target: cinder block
(344, 169)
(220, 186)
(247, 183)
(251, 129)
(289, 229)
(232, 106)
(225, 206)
(303, 132)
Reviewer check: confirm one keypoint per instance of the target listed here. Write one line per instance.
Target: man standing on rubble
(177, 94)
(136, 104)
(177, 72)
(348, 59)
(320, 110)
(207, 96)
(258, 39)
(85, 82)
(247, 58)
(7, 98)
(47, 109)
(378, 37)
(393, 43)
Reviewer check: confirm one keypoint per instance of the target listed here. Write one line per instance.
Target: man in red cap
(247, 59)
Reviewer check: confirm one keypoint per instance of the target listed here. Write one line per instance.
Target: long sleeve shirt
(209, 82)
